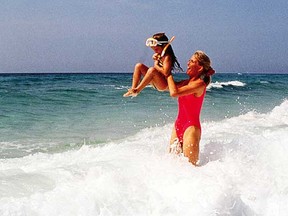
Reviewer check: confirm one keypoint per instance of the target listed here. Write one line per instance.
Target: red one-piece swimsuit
(189, 108)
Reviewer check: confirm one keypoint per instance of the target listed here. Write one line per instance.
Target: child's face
(157, 49)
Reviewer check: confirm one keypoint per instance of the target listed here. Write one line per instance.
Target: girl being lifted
(165, 62)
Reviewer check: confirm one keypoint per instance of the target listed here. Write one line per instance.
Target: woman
(164, 63)
(186, 133)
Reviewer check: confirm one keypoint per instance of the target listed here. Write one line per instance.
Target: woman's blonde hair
(203, 60)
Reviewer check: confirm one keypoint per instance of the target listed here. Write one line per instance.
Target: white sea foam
(243, 172)
(229, 83)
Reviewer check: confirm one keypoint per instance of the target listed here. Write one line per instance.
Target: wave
(229, 83)
(243, 171)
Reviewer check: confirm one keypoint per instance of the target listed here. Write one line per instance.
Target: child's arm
(166, 67)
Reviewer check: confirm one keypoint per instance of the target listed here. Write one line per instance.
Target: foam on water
(229, 83)
(243, 171)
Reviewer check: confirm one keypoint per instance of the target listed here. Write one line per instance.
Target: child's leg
(153, 77)
(139, 70)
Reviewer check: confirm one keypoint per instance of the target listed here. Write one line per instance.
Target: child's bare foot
(130, 93)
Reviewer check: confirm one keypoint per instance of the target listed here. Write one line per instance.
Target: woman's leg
(173, 135)
(191, 140)
(175, 144)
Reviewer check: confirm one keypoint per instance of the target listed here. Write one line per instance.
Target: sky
(241, 36)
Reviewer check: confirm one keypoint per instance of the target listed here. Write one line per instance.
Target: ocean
(70, 144)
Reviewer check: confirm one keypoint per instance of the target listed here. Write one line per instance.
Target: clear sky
(109, 35)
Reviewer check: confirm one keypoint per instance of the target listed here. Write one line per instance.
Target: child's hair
(162, 37)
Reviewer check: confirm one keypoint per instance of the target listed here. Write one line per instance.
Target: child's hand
(156, 56)
(158, 63)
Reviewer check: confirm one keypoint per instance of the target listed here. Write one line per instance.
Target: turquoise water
(71, 145)
(56, 112)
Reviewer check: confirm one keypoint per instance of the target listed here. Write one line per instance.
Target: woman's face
(193, 67)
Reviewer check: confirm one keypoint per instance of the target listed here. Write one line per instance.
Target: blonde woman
(186, 133)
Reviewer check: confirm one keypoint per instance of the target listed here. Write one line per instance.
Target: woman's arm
(192, 87)
(181, 83)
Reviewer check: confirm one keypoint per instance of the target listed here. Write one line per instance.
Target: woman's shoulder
(196, 81)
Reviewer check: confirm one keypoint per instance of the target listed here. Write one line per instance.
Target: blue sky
(109, 35)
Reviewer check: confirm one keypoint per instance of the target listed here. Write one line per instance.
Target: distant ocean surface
(70, 144)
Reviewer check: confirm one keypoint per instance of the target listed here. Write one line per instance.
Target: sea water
(70, 144)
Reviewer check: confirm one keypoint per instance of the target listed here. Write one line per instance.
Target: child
(164, 62)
